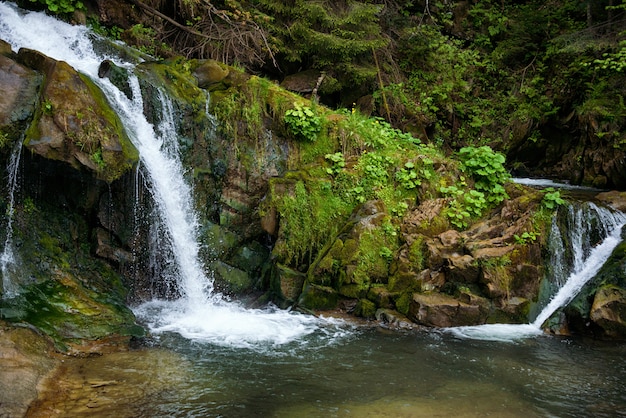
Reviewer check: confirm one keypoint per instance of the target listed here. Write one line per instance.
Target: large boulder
(440, 310)
(608, 311)
(75, 123)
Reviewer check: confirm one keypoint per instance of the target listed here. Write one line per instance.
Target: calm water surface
(368, 373)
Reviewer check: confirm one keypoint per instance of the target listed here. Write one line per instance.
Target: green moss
(66, 292)
(365, 308)
(318, 297)
(232, 280)
(310, 218)
(403, 302)
(175, 76)
(113, 165)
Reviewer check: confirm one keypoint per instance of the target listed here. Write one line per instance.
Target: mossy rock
(608, 311)
(353, 291)
(365, 308)
(70, 313)
(218, 241)
(286, 283)
(318, 297)
(232, 280)
(209, 72)
(75, 123)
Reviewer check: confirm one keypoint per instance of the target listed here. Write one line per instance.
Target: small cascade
(591, 234)
(8, 258)
(199, 313)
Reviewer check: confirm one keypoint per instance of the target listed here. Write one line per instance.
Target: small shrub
(303, 123)
(61, 6)
(551, 199)
(487, 169)
(338, 162)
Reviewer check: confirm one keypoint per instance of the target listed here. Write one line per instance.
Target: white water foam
(585, 268)
(200, 314)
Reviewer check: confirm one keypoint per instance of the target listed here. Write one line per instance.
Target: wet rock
(608, 311)
(516, 309)
(287, 283)
(440, 310)
(75, 123)
(615, 199)
(318, 297)
(231, 280)
(106, 249)
(117, 75)
(393, 319)
(19, 86)
(25, 359)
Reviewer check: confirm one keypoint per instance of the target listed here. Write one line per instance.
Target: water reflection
(372, 373)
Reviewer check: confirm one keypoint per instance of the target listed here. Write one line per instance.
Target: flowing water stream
(8, 261)
(215, 358)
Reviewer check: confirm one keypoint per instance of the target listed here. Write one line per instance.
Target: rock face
(577, 150)
(20, 86)
(438, 277)
(78, 153)
(599, 309)
(439, 310)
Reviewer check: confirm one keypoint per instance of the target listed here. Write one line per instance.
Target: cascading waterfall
(8, 260)
(587, 258)
(200, 313)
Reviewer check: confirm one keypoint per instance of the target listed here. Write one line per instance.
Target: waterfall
(199, 314)
(8, 260)
(592, 233)
(587, 259)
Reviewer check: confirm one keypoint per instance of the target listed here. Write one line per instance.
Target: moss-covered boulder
(608, 311)
(318, 297)
(74, 122)
(209, 72)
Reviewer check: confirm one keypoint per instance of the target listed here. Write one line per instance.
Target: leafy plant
(526, 237)
(487, 169)
(47, 107)
(303, 123)
(97, 158)
(407, 176)
(552, 198)
(61, 6)
(338, 162)
(464, 205)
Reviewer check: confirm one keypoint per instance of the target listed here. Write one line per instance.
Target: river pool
(358, 372)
